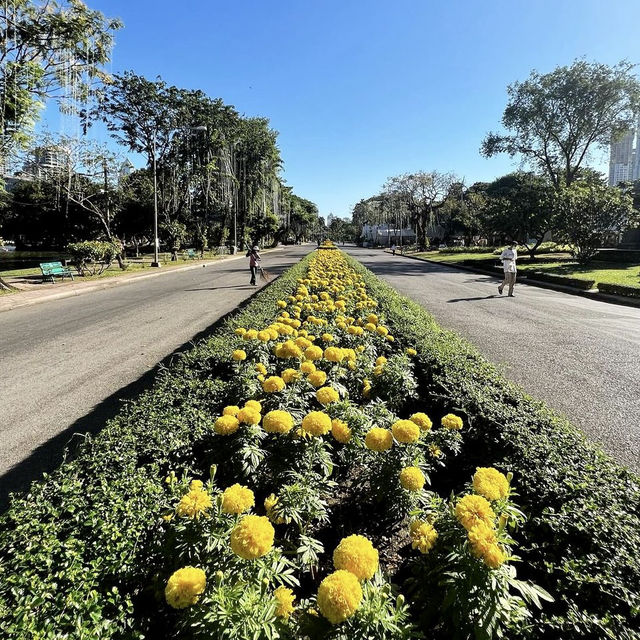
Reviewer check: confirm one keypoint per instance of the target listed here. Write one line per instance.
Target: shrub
(576, 283)
(93, 256)
(619, 289)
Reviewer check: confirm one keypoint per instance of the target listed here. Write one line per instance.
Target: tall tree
(424, 193)
(556, 119)
(47, 49)
(520, 207)
(588, 212)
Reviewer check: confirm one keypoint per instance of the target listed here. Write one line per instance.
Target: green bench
(191, 254)
(52, 269)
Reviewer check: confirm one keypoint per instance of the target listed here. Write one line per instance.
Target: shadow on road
(50, 454)
(476, 298)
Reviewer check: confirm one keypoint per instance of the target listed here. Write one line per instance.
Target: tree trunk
(5, 286)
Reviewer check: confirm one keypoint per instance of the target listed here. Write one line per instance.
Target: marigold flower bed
(302, 487)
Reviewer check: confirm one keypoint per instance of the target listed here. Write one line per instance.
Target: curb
(9, 302)
(592, 294)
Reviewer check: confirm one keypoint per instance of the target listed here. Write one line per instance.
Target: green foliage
(587, 212)
(92, 257)
(555, 119)
(46, 46)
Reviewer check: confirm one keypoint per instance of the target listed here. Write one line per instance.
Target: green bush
(92, 256)
(576, 283)
(619, 289)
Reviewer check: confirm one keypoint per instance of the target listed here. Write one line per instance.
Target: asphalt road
(582, 357)
(66, 365)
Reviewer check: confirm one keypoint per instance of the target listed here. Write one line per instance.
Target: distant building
(386, 235)
(45, 162)
(126, 168)
(624, 158)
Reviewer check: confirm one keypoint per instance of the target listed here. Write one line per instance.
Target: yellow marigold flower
(303, 343)
(327, 337)
(250, 334)
(405, 431)
(435, 451)
(340, 431)
(264, 335)
(451, 421)
(339, 596)
(423, 536)
(237, 499)
(282, 304)
(252, 537)
(260, 368)
(277, 422)
(316, 423)
(481, 537)
(356, 554)
(412, 479)
(334, 354)
(490, 483)
(411, 352)
(494, 557)
(422, 420)
(377, 371)
(307, 367)
(284, 597)
(196, 485)
(226, 425)
(382, 331)
(231, 410)
(194, 503)
(381, 360)
(184, 587)
(317, 378)
(369, 326)
(313, 353)
(248, 415)
(472, 509)
(273, 384)
(240, 331)
(254, 404)
(360, 348)
(290, 375)
(238, 355)
(378, 439)
(327, 395)
(372, 318)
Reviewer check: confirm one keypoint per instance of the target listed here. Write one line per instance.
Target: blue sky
(363, 90)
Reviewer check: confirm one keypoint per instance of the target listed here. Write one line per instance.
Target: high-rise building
(624, 159)
(621, 160)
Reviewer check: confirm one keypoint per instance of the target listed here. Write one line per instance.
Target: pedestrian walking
(254, 262)
(509, 257)
(393, 249)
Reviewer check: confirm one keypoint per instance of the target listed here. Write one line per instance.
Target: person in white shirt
(509, 257)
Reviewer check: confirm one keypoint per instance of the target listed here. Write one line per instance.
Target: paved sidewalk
(67, 288)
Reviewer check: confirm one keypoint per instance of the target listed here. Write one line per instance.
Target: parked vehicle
(8, 245)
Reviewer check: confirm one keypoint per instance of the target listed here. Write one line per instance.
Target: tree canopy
(554, 120)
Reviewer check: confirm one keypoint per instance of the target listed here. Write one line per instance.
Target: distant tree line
(553, 122)
(212, 174)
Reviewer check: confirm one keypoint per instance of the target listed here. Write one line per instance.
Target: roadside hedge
(78, 549)
(619, 289)
(576, 283)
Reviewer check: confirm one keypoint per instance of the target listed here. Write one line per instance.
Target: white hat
(255, 249)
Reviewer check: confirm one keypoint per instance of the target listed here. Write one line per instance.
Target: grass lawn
(624, 273)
